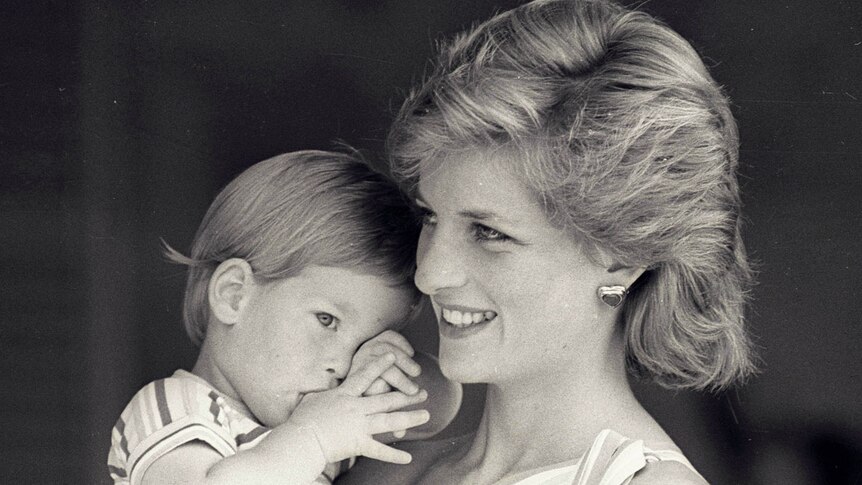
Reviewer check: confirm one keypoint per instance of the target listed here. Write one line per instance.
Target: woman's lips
(465, 318)
(461, 322)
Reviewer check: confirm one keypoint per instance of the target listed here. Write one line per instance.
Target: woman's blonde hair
(298, 209)
(629, 143)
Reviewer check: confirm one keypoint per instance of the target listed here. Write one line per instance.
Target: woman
(575, 164)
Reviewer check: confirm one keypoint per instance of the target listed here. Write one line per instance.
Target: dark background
(120, 121)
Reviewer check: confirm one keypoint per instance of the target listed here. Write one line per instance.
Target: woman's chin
(464, 367)
(472, 353)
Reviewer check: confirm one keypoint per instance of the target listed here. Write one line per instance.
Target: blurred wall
(120, 122)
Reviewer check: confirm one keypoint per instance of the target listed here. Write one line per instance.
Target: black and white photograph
(488, 242)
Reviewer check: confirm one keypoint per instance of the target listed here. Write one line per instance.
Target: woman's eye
(326, 319)
(427, 217)
(485, 233)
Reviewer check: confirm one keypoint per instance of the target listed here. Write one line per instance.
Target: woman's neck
(533, 422)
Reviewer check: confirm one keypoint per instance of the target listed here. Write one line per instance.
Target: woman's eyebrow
(477, 214)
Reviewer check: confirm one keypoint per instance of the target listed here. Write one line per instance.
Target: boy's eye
(484, 233)
(326, 319)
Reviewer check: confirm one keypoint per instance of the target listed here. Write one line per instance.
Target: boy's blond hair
(299, 209)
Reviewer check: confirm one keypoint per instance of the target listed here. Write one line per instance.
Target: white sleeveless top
(612, 459)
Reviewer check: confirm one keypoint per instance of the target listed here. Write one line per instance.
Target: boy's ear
(230, 289)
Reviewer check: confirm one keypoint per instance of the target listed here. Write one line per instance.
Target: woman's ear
(625, 275)
(621, 275)
(230, 289)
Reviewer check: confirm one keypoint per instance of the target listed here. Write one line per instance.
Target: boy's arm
(444, 400)
(294, 457)
(326, 427)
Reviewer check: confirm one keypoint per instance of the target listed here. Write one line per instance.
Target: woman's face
(514, 296)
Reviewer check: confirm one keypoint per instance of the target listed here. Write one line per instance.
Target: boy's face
(298, 335)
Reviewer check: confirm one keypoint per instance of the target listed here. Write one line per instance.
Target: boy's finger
(397, 421)
(407, 364)
(379, 386)
(395, 378)
(403, 359)
(397, 340)
(379, 451)
(359, 382)
(391, 401)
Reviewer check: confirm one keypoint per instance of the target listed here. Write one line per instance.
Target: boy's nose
(338, 369)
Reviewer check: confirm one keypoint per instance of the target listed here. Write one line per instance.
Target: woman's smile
(458, 321)
(465, 319)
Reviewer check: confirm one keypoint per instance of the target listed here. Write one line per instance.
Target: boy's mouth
(465, 318)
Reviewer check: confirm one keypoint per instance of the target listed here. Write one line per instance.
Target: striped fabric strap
(670, 455)
(612, 459)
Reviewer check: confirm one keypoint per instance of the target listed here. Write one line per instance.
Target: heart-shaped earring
(612, 296)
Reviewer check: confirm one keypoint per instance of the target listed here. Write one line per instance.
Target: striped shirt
(171, 412)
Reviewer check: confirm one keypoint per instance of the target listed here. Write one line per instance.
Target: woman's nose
(439, 264)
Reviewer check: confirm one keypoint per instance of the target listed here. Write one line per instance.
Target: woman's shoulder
(425, 454)
(667, 471)
(644, 463)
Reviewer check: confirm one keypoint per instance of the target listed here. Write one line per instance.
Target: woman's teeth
(463, 319)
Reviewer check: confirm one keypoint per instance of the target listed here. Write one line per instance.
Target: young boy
(300, 270)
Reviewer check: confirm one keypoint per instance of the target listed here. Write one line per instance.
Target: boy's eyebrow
(345, 307)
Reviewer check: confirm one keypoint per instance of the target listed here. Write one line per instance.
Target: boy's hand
(344, 420)
(397, 376)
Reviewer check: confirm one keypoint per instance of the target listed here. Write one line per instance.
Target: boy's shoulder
(165, 401)
(172, 411)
